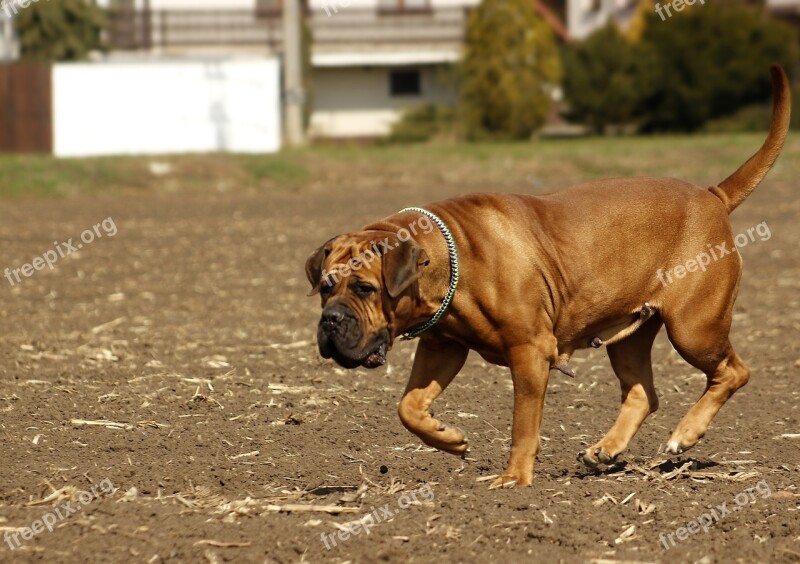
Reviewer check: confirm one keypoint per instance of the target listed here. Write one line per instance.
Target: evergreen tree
(712, 60)
(604, 81)
(59, 30)
(510, 69)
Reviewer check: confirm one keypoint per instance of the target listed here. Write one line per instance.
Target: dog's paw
(592, 459)
(587, 459)
(450, 439)
(519, 472)
(682, 439)
(510, 480)
(503, 482)
(605, 458)
(675, 447)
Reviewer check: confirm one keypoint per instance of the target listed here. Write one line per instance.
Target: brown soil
(191, 326)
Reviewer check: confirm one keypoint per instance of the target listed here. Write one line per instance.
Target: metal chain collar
(451, 290)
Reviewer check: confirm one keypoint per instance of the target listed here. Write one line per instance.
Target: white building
(789, 6)
(371, 59)
(788, 9)
(9, 45)
(585, 16)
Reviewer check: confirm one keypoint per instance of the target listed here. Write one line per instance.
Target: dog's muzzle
(340, 336)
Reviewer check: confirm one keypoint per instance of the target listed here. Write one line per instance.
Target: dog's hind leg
(699, 332)
(725, 372)
(435, 366)
(631, 361)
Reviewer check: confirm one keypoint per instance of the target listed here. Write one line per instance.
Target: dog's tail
(739, 185)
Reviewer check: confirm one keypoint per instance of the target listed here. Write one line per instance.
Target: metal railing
(149, 29)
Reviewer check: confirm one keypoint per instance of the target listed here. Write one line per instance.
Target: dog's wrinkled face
(359, 277)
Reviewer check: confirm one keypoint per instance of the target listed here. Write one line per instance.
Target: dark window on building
(405, 83)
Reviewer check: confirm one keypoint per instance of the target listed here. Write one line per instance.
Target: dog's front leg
(435, 365)
(530, 370)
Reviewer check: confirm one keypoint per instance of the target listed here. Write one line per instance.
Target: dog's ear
(314, 266)
(402, 266)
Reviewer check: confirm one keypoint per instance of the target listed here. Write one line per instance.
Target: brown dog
(540, 277)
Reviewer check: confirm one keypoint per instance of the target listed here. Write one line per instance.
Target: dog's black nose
(331, 318)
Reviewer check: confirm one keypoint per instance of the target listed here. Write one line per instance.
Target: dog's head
(361, 278)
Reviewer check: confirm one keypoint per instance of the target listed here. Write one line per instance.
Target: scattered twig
(677, 471)
(101, 423)
(109, 325)
(299, 508)
(244, 455)
(220, 544)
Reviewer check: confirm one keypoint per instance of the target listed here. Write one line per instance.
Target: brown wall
(26, 109)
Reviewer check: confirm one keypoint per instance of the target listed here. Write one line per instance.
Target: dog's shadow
(663, 469)
(323, 491)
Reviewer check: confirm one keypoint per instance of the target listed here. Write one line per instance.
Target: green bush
(61, 30)
(603, 79)
(510, 66)
(712, 61)
(423, 123)
(750, 119)
(702, 64)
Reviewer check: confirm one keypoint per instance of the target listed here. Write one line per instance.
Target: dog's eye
(365, 289)
(325, 290)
